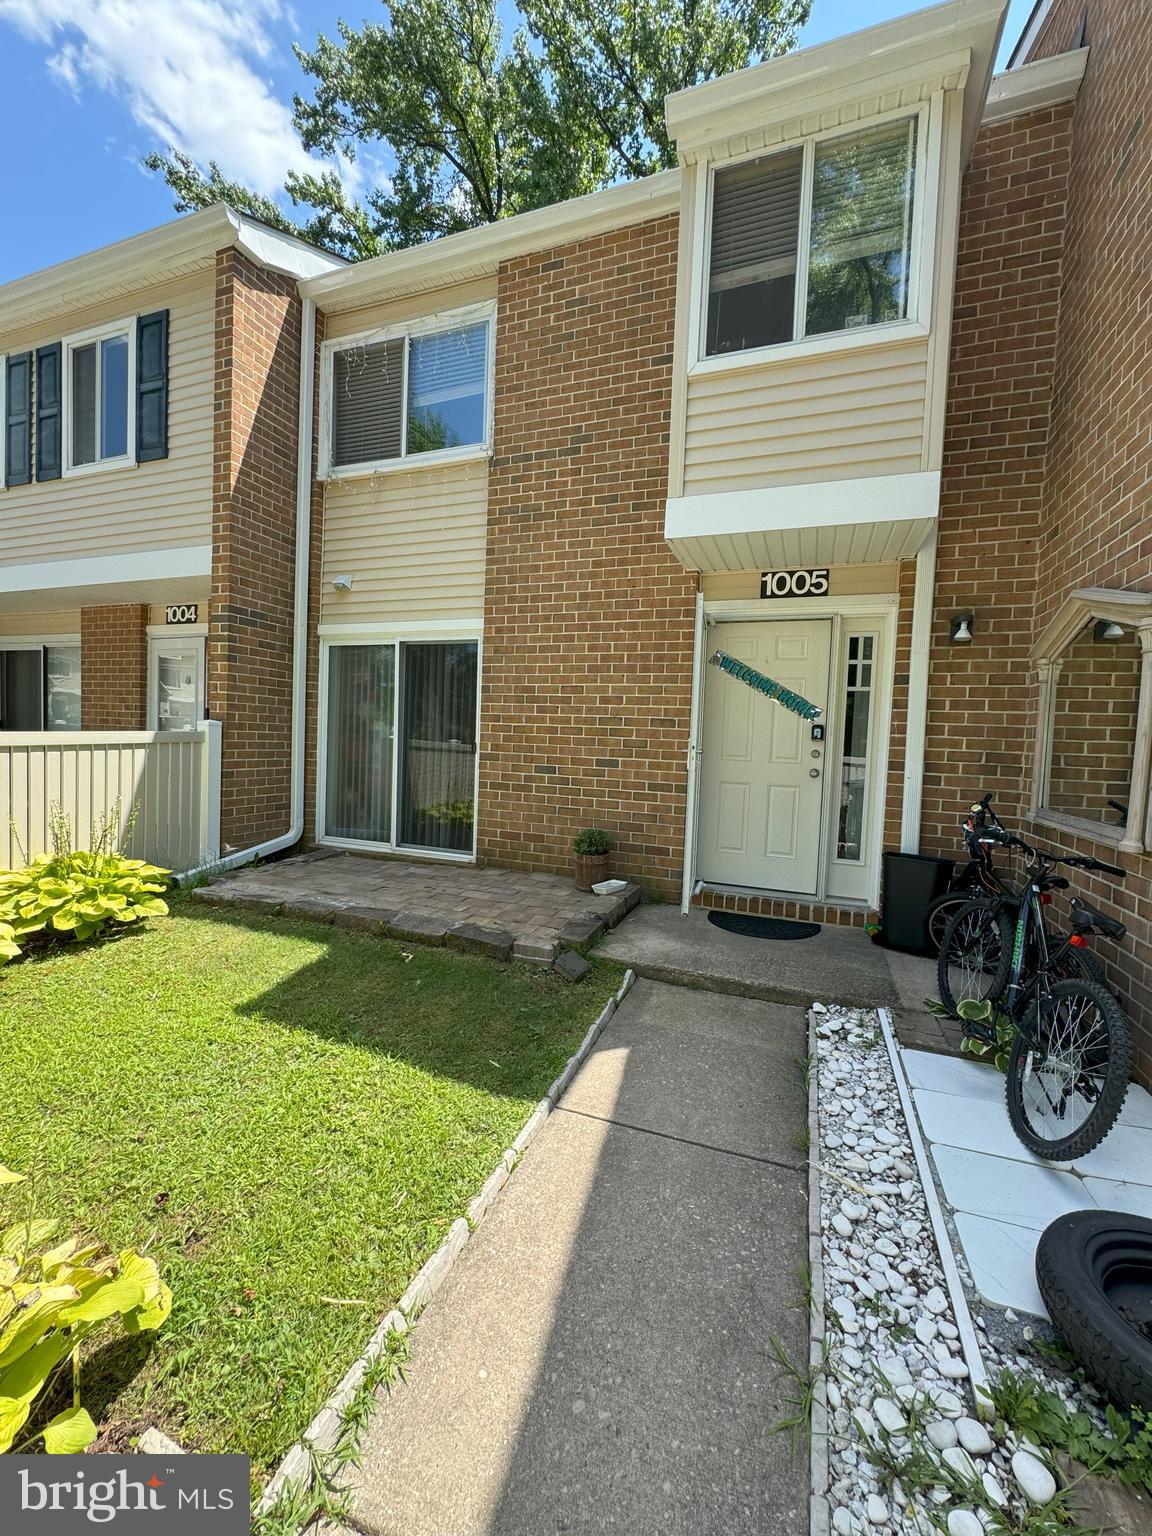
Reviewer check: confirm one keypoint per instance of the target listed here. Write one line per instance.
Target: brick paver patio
(496, 911)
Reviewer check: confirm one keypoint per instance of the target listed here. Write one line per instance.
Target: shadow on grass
(495, 1026)
(106, 1374)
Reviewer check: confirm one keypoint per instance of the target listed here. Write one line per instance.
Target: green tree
(470, 128)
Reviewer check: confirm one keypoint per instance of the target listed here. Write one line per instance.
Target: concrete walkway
(599, 1359)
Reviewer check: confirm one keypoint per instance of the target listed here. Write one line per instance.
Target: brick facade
(114, 667)
(588, 623)
(249, 681)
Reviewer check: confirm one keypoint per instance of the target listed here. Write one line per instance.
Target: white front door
(762, 775)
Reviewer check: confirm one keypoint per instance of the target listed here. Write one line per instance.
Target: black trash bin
(912, 881)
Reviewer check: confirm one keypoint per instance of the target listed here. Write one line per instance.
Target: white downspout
(923, 595)
(299, 612)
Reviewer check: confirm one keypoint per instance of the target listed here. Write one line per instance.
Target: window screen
(755, 227)
(368, 402)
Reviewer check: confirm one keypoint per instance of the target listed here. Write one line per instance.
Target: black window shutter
(48, 412)
(18, 420)
(152, 386)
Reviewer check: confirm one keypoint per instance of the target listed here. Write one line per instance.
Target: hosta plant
(53, 1299)
(76, 892)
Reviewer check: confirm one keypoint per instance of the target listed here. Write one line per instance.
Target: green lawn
(288, 1116)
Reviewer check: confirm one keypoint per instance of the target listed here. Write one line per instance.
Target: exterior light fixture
(1108, 629)
(960, 630)
(342, 583)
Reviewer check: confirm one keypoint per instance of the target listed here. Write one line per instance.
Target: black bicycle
(1071, 1051)
(979, 877)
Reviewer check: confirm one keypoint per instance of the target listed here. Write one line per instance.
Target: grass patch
(288, 1117)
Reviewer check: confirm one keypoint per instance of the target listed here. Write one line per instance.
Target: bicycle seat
(1085, 917)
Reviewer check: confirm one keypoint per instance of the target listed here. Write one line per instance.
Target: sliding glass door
(400, 763)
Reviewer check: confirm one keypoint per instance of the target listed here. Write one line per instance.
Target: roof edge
(1029, 87)
(479, 252)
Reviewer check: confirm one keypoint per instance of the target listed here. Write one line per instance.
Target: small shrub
(591, 841)
(51, 1301)
(77, 892)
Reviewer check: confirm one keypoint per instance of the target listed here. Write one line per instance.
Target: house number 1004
(794, 583)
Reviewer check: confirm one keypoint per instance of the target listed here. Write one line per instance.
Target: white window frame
(68, 345)
(42, 643)
(413, 632)
(916, 323)
(1133, 610)
(442, 320)
(186, 636)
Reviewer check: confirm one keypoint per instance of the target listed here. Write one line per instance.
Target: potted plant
(591, 847)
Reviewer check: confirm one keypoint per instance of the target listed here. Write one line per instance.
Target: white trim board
(1028, 88)
(400, 629)
(876, 519)
(149, 565)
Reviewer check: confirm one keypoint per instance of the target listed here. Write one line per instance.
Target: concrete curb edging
(969, 1344)
(324, 1431)
(819, 1514)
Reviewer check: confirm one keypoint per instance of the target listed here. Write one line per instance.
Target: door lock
(813, 773)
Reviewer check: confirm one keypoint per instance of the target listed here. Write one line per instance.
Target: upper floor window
(99, 388)
(419, 392)
(812, 240)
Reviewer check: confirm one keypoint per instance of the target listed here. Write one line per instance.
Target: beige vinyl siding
(841, 416)
(843, 581)
(412, 542)
(416, 306)
(148, 506)
(29, 626)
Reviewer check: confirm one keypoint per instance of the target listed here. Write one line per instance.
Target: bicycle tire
(1079, 965)
(1110, 1099)
(955, 935)
(939, 912)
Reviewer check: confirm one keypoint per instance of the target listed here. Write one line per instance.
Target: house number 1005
(794, 583)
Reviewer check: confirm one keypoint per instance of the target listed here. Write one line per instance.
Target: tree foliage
(459, 126)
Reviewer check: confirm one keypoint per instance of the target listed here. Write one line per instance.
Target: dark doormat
(750, 927)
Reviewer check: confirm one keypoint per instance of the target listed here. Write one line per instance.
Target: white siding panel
(145, 506)
(412, 542)
(840, 417)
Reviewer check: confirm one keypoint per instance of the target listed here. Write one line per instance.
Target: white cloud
(188, 70)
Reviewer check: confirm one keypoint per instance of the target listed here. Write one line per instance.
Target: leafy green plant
(454, 812)
(76, 892)
(984, 1012)
(591, 841)
(1123, 1449)
(51, 1301)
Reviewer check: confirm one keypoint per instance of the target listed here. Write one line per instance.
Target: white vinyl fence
(171, 779)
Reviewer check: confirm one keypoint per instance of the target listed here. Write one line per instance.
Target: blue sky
(99, 83)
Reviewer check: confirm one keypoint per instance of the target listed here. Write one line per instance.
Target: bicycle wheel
(1072, 964)
(939, 914)
(975, 956)
(1068, 1070)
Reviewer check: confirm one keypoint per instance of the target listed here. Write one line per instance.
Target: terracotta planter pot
(591, 868)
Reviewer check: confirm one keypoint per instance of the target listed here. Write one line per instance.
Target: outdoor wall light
(342, 583)
(960, 630)
(1108, 629)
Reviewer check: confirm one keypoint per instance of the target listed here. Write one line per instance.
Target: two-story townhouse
(150, 395)
(568, 458)
(812, 400)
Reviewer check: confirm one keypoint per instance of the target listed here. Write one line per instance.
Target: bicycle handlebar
(998, 834)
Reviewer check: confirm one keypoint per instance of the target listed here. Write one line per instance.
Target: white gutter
(299, 614)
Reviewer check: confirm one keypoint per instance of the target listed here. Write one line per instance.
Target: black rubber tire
(938, 915)
(1077, 964)
(1076, 1258)
(997, 979)
(1104, 1114)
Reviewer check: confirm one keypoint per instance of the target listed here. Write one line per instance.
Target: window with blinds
(409, 395)
(772, 281)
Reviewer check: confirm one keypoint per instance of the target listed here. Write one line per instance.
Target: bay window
(813, 240)
(422, 391)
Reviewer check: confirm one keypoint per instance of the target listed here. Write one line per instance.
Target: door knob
(813, 773)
